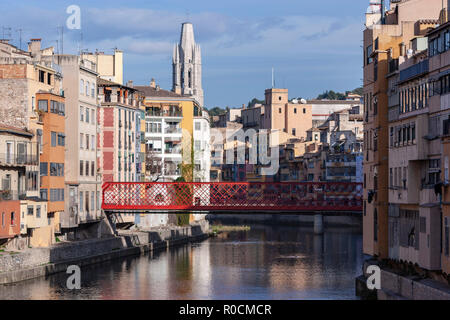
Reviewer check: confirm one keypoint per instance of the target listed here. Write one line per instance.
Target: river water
(267, 262)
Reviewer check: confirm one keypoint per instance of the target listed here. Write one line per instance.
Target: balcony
(9, 195)
(416, 70)
(173, 130)
(172, 150)
(11, 159)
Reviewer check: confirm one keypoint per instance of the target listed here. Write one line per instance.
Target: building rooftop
(14, 130)
(150, 91)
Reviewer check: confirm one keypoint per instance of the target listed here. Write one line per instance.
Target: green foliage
(331, 95)
(216, 111)
(182, 219)
(253, 102)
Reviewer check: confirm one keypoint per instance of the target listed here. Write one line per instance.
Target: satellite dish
(295, 101)
(303, 101)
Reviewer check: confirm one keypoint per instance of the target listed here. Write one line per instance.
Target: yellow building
(168, 132)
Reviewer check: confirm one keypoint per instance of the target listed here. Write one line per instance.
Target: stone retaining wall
(44, 261)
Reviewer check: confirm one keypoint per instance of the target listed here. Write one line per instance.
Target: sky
(312, 45)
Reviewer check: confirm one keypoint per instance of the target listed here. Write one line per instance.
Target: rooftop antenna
(20, 38)
(57, 46)
(273, 78)
(8, 33)
(61, 38)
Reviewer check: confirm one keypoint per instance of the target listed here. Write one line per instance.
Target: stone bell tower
(187, 65)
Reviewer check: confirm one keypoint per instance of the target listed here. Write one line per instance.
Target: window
(369, 51)
(304, 110)
(87, 115)
(93, 116)
(87, 142)
(43, 169)
(57, 169)
(93, 90)
(53, 139)
(98, 200)
(375, 225)
(92, 200)
(38, 211)
(81, 167)
(87, 200)
(13, 218)
(41, 76)
(87, 88)
(279, 110)
(81, 114)
(54, 106)
(87, 168)
(61, 139)
(56, 195)
(293, 132)
(3, 219)
(295, 110)
(43, 105)
(44, 194)
(81, 140)
(92, 142)
(30, 210)
(81, 201)
(197, 126)
(447, 236)
(81, 86)
(92, 168)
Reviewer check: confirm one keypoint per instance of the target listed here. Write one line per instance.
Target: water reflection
(264, 263)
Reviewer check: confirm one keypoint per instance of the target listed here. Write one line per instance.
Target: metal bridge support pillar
(318, 224)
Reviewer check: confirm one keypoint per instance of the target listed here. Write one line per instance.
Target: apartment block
(385, 38)
(82, 179)
(27, 77)
(118, 116)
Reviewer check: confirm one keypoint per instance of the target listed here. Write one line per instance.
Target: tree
(153, 166)
(216, 111)
(253, 102)
(331, 95)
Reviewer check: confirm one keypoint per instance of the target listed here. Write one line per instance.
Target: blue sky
(313, 45)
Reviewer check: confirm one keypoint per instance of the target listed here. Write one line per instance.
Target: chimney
(34, 46)
(153, 83)
(130, 84)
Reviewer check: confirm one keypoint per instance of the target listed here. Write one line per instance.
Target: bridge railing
(233, 196)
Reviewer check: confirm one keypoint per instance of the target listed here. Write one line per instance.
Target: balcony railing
(414, 71)
(18, 159)
(173, 130)
(9, 195)
(176, 150)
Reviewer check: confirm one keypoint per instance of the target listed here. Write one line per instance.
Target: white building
(202, 148)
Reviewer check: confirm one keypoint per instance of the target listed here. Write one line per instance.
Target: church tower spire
(187, 65)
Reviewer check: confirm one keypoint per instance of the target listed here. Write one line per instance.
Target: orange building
(51, 109)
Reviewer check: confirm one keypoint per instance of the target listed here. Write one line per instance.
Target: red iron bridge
(243, 197)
